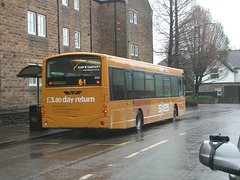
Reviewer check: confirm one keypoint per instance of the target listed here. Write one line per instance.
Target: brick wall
(141, 34)
(13, 118)
(107, 29)
(18, 48)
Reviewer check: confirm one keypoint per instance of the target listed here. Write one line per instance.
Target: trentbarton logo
(67, 99)
(72, 92)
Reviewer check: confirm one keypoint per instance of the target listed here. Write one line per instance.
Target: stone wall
(18, 48)
(13, 118)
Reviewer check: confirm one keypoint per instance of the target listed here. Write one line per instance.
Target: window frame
(32, 25)
(131, 14)
(136, 51)
(65, 2)
(76, 5)
(42, 25)
(78, 40)
(132, 50)
(214, 73)
(135, 18)
(66, 37)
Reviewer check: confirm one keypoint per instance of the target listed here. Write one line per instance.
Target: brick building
(33, 29)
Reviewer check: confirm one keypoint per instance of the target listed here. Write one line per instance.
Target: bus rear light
(45, 123)
(98, 82)
(50, 83)
(105, 112)
(42, 111)
(102, 123)
(105, 105)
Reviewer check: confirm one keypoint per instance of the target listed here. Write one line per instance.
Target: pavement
(21, 133)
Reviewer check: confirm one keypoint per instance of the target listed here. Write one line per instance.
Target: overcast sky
(227, 12)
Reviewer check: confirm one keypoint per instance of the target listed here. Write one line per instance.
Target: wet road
(164, 150)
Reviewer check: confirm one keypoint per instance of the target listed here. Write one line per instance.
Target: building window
(132, 50)
(76, 4)
(131, 16)
(136, 50)
(65, 2)
(214, 73)
(77, 40)
(135, 18)
(65, 37)
(31, 23)
(41, 25)
(36, 27)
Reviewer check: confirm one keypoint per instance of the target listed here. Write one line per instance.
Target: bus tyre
(139, 121)
(174, 114)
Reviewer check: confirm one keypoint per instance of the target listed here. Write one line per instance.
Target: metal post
(37, 90)
(59, 31)
(90, 20)
(115, 23)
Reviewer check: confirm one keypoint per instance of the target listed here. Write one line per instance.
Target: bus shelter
(35, 120)
(32, 71)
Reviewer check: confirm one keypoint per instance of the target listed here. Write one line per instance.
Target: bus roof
(120, 62)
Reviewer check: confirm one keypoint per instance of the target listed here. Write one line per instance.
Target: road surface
(163, 150)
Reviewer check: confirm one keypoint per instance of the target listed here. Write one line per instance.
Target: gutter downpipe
(115, 23)
(58, 19)
(90, 20)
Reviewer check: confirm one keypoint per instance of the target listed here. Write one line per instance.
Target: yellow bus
(90, 90)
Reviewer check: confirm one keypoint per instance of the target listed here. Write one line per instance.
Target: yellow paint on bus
(83, 90)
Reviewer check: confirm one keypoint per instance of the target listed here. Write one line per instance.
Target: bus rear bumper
(98, 123)
(48, 123)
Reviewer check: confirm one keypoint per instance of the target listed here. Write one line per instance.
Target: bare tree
(168, 17)
(202, 41)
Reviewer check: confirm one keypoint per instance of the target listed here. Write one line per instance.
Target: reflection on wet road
(163, 150)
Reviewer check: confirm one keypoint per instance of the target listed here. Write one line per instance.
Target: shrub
(190, 101)
(205, 97)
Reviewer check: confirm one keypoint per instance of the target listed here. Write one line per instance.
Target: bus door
(130, 114)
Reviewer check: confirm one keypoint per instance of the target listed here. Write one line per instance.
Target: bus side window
(159, 85)
(150, 88)
(118, 88)
(129, 84)
(174, 86)
(167, 87)
(138, 84)
(181, 87)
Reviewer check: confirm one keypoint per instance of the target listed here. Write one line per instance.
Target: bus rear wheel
(175, 113)
(139, 121)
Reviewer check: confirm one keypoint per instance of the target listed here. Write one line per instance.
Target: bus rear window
(73, 70)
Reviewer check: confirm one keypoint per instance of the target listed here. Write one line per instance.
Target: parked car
(218, 153)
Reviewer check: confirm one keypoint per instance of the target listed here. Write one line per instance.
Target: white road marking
(145, 149)
(182, 134)
(86, 177)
